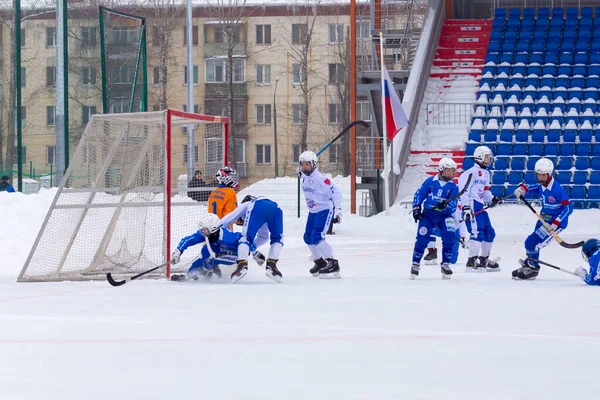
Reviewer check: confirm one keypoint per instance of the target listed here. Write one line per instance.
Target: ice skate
(319, 265)
(414, 270)
(527, 272)
(272, 272)
(485, 264)
(446, 271)
(331, 271)
(473, 265)
(431, 256)
(240, 271)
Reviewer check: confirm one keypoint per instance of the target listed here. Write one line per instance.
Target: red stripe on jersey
(486, 188)
(565, 202)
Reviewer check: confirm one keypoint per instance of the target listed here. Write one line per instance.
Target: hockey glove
(417, 214)
(464, 243)
(496, 200)
(467, 213)
(554, 225)
(337, 216)
(441, 205)
(259, 258)
(176, 256)
(519, 192)
(581, 272)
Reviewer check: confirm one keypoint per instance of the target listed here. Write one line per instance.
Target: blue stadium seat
(497, 190)
(563, 177)
(569, 135)
(565, 163)
(530, 178)
(558, 12)
(470, 148)
(596, 147)
(490, 136)
(515, 178)
(586, 12)
(501, 163)
(475, 136)
(595, 163)
(535, 149)
(543, 13)
(593, 193)
(467, 163)
(531, 163)
(595, 179)
(552, 150)
(577, 192)
(582, 163)
(580, 177)
(538, 135)
(498, 178)
(583, 150)
(504, 149)
(519, 149)
(567, 149)
(517, 163)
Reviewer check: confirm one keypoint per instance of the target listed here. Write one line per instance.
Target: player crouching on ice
(440, 197)
(223, 249)
(473, 207)
(261, 219)
(591, 255)
(556, 208)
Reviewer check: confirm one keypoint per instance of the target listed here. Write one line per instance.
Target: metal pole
(190, 90)
(17, 24)
(386, 199)
(275, 128)
(60, 94)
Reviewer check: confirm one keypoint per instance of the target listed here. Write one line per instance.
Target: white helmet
(210, 222)
(480, 153)
(308, 156)
(227, 176)
(446, 163)
(544, 166)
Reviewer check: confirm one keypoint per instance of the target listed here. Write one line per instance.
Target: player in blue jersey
(434, 196)
(461, 240)
(223, 249)
(478, 221)
(261, 219)
(556, 208)
(591, 255)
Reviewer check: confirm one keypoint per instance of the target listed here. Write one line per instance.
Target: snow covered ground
(374, 334)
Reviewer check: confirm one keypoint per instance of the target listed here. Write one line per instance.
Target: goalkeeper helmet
(227, 176)
(589, 247)
(308, 157)
(210, 222)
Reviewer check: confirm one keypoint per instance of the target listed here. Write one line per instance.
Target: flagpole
(386, 195)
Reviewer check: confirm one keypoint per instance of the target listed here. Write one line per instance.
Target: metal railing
(368, 154)
(541, 3)
(449, 113)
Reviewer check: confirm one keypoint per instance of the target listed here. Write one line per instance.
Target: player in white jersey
(324, 202)
(473, 203)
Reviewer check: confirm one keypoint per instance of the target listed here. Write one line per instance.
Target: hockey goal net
(118, 208)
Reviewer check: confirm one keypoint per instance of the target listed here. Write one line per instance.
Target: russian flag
(394, 113)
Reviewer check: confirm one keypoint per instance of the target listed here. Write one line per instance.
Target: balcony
(220, 49)
(222, 90)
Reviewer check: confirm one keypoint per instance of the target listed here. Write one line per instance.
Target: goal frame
(171, 118)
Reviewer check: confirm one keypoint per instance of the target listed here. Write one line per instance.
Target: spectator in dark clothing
(5, 185)
(198, 182)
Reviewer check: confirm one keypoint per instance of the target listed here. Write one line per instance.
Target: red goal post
(118, 208)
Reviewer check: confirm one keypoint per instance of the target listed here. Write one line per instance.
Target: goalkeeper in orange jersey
(223, 199)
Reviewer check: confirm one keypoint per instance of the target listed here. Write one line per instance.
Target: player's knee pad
(307, 238)
(490, 234)
(316, 237)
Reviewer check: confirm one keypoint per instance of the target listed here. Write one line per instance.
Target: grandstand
(538, 96)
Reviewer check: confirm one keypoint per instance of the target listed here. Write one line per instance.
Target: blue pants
(446, 225)
(481, 229)
(539, 239)
(316, 225)
(205, 260)
(454, 258)
(263, 212)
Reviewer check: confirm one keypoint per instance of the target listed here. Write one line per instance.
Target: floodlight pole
(62, 113)
(190, 91)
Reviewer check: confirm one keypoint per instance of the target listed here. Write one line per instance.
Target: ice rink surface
(374, 334)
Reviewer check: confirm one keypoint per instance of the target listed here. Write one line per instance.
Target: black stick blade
(110, 280)
(571, 245)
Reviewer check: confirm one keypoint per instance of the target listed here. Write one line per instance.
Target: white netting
(109, 215)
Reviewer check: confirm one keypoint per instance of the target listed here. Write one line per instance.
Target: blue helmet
(589, 247)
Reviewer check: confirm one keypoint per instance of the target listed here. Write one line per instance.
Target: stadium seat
(467, 163)
(580, 177)
(583, 150)
(535, 149)
(470, 149)
(593, 193)
(563, 177)
(595, 179)
(529, 178)
(565, 163)
(501, 163)
(515, 178)
(582, 163)
(595, 164)
(520, 149)
(552, 150)
(498, 178)
(567, 149)
(531, 163)
(577, 192)
(504, 149)
(497, 190)
(517, 164)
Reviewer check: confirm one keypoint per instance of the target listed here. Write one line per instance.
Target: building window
(156, 75)
(263, 154)
(50, 115)
(335, 154)
(334, 113)
(156, 36)
(240, 150)
(299, 33)
(263, 74)
(50, 154)
(196, 108)
(238, 70)
(88, 76)
(155, 107)
(88, 36)
(263, 34)
(121, 74)
(215, 70)
(194, 35)
(363, 28)
(23, 37)
(263, 114)
(50, 76)
(336, 33)
(51, 37)
(297, 74)
(123, 36)
(185, 154)
(119, 106)
(23, 116)
(185, 75)
(336, 74)
(297, 113)
(86, 113)
(221, 34)
(363, 111)
(295, 153)
(23, 76)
